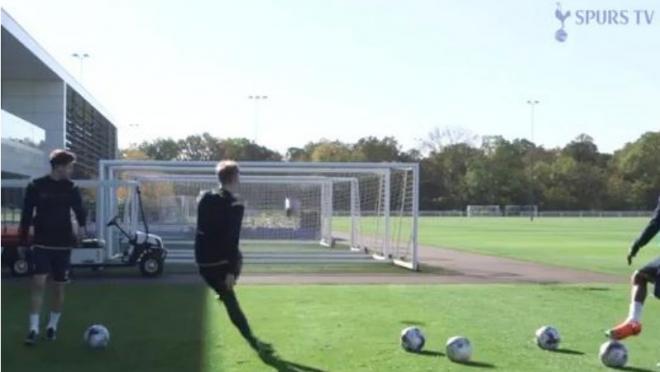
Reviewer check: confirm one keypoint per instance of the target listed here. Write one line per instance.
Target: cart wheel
(151, 266)
(20, 267)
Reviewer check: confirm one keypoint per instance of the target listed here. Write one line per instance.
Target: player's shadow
(568, 352)
(270, 358)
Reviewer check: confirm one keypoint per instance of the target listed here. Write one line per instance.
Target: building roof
(32, 46)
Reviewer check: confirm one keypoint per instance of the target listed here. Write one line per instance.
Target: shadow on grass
(568, 352)
(271, 358)
(412, 323)
(634, 369)
(430, 353)
(478, 364)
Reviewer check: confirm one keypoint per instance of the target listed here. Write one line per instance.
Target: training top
(219, 219)
(650, 231)
(53, 200)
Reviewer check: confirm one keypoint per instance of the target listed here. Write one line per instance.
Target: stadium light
(256, 98)
(532, 104)
(81, 57)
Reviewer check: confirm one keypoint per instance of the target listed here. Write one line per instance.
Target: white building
(44, 108)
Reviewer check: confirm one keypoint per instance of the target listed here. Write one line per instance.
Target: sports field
(165, 325)
(331, 328)
(595, 244)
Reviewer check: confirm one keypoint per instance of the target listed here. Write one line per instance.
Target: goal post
(483, 211)
(513, 210)
(367, 207)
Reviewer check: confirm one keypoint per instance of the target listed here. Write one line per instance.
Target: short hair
(61, 157)
(227, 171)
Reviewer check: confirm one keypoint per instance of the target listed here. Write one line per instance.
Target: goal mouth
(361, 205)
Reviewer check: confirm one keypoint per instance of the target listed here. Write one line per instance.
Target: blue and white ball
(547, 338)
(97, 336)
(613, 354)
(459, 349)
(412, 339)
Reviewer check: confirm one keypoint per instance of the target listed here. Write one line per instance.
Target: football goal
(294, 211)
(483, 211)
(521, 210)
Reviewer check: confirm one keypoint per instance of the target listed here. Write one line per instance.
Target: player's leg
(632, 326)
(60, 262)
(236, 315)
(41, 267)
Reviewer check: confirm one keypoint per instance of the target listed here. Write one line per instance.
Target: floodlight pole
(81, 58)
(532, 104)
(256, 99)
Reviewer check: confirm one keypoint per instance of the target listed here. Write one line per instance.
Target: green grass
(157, 327)
(596, 244)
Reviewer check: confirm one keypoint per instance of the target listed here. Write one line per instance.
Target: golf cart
(131, 248)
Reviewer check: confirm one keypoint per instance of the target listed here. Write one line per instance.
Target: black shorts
(215, 276)
(651, 270)
(55, 262)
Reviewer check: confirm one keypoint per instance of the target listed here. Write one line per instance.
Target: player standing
(219, 219)
(48, 203)
(632, 326)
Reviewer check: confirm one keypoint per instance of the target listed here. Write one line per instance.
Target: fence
(601, 214)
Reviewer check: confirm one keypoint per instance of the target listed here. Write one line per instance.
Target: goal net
(521, 210)
(294, 212)
(483, 211)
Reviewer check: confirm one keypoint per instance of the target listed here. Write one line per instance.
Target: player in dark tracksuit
(219, 219)
(48, 206)
(647, 274)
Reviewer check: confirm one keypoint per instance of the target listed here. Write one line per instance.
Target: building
(44, 108)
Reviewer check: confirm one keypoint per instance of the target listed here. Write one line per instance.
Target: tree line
(458, 168)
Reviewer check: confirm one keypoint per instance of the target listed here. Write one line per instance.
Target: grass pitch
(160, 327)
(595, 244)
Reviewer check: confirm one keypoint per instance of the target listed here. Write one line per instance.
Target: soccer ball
(613, 354)
(459, 349)
(97, 336)
(548, 338)
(412, 339)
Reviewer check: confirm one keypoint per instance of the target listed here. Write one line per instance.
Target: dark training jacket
(650, 231)
(219, 219)
(53, 201)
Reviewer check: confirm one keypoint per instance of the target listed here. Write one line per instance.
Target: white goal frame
(402, 254)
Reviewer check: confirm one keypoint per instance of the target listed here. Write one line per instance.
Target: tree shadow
(568, 352)
(269, 357)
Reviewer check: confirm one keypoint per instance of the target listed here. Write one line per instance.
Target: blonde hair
(227, 171)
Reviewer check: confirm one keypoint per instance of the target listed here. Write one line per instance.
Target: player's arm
(647, 234)
(79, 210)
(29, 203)
(233, 225)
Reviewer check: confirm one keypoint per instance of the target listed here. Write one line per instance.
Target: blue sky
(347, 69)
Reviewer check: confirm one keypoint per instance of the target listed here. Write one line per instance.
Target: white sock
(34, 322)
(635, 313)
(54, 319)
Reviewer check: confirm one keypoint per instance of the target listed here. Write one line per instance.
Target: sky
(347, 69)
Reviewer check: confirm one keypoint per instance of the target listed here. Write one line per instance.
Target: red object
(625, 330)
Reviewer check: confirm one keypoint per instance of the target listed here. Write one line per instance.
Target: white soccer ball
(97, 336)
(412, 339)
(547, 337)
(613, 354)
(459, 349)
